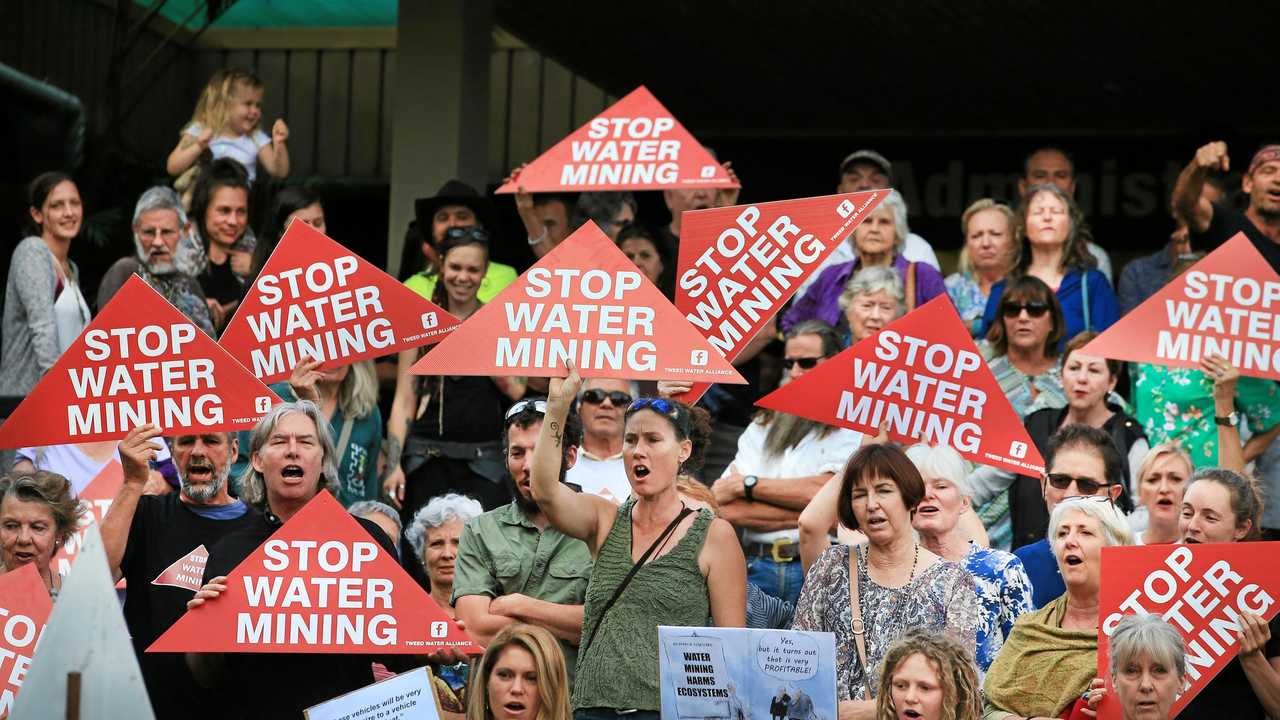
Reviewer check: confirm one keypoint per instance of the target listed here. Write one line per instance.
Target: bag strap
(634, 569)
(911, 286)
(1084, 289)
(343, 438)
(859, 628)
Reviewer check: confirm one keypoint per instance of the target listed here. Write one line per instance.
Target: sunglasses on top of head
(596, 396)
(1034, 308)
(477, 234)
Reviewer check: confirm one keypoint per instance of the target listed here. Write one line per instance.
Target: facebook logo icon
(429, 320)
(698, 358)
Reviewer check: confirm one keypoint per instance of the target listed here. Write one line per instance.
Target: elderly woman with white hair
(873, 298)
(877, 241)
(1147, 662)
(159, 223)
(1060, 640)
(434, 534)
(1004, 590)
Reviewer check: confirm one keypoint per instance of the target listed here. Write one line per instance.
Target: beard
(204, 492)
(154, 267)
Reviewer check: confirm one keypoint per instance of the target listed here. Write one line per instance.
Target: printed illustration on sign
(923, 375)
(1227, 304)
(635, 144)
(320, 584)
(734, 674)
(187, 572)
(129, 368)
(24, 607)
(584, 301)
(739, 265)
(316, 299)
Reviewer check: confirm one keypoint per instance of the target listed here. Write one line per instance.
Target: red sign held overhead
(584, 301)
(187, 572)
(1227, 304)
(320, 584)
(635, 144)
(1200, 590)
(24, 608)
(97, 497)
(739, 265)
(140, 361)
(316, 299)
(924, 377)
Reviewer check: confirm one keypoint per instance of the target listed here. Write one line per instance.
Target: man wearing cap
(512, 566)
(456, 205)
(1214, 223)
(865, 170)
(1051, 166)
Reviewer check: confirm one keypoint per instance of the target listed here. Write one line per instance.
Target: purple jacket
(822, 301)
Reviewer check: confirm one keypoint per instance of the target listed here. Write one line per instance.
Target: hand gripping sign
(635, 144)
(1198, 589)
(24, 608)
(1227, 304)
(140, 361)
(923, 376)
(316, 299)
(320, 584)
(739, 265)
(583, 301)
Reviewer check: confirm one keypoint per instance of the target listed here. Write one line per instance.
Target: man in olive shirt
(512, 565)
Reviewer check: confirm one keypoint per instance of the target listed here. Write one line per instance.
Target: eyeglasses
(478, 234)
(596, 396)
(805, 363)
(1035, 309)
(1088, 486)
(539, 406)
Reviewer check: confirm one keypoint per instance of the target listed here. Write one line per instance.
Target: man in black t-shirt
(292, 457)
(1213, 223)
(145, 534)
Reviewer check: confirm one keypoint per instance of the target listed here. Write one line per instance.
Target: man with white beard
(159, 223)
(144, 535)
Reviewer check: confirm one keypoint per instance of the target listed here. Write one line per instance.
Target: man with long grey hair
(291, 460)
(159, 222)
(158, 537)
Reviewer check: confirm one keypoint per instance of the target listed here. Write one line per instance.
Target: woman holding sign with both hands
(657, 561)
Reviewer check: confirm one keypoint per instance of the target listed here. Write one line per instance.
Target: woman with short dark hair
(892, 585)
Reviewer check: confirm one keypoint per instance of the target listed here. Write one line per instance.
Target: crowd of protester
(561, 521)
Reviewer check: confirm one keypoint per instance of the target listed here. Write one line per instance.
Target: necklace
(914, 562)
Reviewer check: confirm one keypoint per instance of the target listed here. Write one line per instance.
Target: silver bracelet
(538, 240)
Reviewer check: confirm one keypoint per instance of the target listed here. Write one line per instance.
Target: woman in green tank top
(694, 567)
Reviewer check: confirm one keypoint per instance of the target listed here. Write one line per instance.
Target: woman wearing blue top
(1056, 250)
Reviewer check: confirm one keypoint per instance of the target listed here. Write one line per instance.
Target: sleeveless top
(667, 591)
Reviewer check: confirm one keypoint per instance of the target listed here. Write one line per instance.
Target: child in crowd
(227, 123)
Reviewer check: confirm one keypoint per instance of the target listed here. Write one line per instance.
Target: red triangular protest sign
(739, 265)
(1227, 303)
(319, 584)
(187, 572)
(635, 144)
(1198, 589)
(96, 497)
(315, 298)
(923, 375)
(140, 361)
(25, 605)
(583, 301)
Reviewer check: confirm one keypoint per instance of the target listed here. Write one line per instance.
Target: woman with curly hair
(38, 514)
(928, 676)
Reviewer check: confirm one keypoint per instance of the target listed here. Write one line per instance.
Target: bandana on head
(1269, 153)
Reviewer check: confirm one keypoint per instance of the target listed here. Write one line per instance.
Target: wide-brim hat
(453, 192)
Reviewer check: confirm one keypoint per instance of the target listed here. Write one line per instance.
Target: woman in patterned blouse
(900, 584)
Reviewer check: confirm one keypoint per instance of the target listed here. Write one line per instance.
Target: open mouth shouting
(640, 471)
(1072, 560)
(514, 709)
(911, 713)
(199, 471)
(292, 473)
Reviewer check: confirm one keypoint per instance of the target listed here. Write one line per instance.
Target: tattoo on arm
(555, 432)
(394, 449)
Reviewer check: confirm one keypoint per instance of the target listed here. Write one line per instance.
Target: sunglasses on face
(1088, 486)
(539, 406)
(595, 396)
(805, 363)
(1035, 309)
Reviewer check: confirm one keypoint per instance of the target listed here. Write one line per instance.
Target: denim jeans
(781, 580)
(610, 714)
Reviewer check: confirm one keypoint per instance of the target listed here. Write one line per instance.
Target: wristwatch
(1229, 421)
(749, 486)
